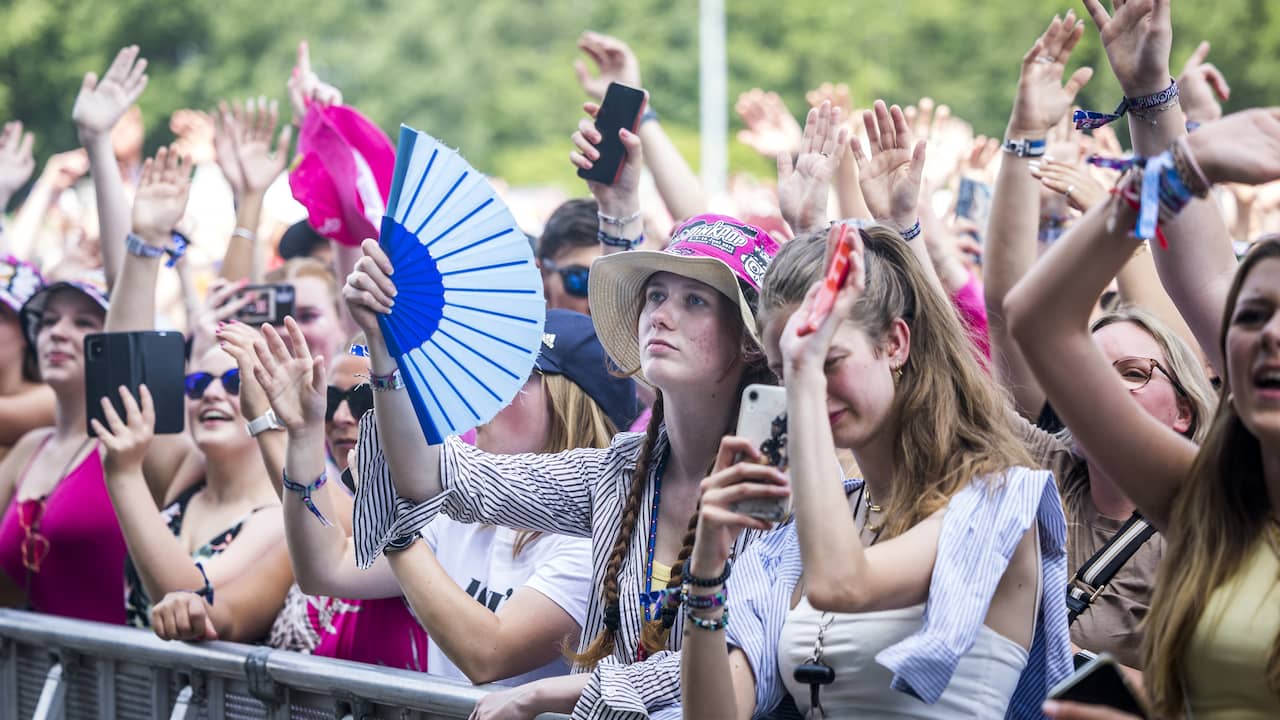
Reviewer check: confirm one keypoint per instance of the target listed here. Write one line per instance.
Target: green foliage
(496, 78)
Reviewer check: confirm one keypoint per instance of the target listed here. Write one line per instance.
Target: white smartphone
(762, 420)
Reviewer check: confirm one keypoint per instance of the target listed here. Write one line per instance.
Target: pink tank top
(381, 632)
(77, 542)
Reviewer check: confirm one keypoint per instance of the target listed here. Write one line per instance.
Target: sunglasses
(197, 383)
(359, 400)
(34, 546)
(574, 277)
(1136, 372)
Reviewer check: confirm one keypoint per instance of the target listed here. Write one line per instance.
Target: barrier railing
(53, 668)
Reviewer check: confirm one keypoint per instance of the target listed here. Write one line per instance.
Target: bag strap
(1096, 573)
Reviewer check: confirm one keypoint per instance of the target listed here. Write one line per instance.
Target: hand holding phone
(132, 359)
(621, 108)
(1099, 682)
(269, 304)
(837, 271)
(762, 421)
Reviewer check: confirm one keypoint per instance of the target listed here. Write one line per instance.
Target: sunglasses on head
(359, 401)
(196, 383)
(574, 277)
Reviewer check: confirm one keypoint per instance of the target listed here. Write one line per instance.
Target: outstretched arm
(99, 106)
(615, 62)
(16, 166)
(1041, 102)
(247, 132)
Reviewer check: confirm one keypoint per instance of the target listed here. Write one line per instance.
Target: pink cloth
(82, 575)
(972, 305)
(642, 423)
(380, 632)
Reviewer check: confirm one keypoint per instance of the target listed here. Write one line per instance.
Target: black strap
(1096, 573)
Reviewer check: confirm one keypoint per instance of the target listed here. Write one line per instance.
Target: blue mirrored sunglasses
(196, 383)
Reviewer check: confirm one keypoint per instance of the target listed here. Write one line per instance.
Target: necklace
(871, 507)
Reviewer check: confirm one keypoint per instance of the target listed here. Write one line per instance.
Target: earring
(897, 374)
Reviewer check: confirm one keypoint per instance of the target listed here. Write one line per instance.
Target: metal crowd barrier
(53, 668)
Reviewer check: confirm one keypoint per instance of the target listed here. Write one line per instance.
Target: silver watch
(264, 422)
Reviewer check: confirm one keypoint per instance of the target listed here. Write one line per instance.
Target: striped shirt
(981, 528)
(579, 492)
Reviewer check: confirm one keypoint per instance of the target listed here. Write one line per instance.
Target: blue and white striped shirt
(981, 528)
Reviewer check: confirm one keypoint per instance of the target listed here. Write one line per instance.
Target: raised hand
(293, 380)
(1042, 100)
(306, 88)
(1072, 180)
(195, 133)
(224, 147)
(614, 61)
(837, 95)
(1137, 38)
(771, 129)
(162, 195)
(101, 103)
(729, 483)
(803, 190)
(369, 291)
(890, 178)
(255, 125)
(980, 164)
(220, 305)
(16, 162)
(63, 169)
(126, 441)
(623, 196)
(1242, 147)
(1201, 87)
(238, 340)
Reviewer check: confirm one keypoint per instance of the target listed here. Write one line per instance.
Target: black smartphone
(621, 108)
(1099, 682)
(151, 358)
(267, 303)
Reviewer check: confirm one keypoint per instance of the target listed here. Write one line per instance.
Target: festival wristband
(1024, 148)
(386, 383)
(1145, 107)
(137, 246)
(618, 242)
(305, 491)
(703, 602)
(912, 232)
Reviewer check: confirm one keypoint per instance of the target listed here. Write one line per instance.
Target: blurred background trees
(495, 78)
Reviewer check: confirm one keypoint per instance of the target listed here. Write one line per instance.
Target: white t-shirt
(478, 558)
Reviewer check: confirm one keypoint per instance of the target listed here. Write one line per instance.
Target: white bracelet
(245, 233)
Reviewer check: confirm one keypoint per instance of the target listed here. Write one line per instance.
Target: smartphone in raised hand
(267, 303)
(131, 359)
(762, 421)
(621, 108)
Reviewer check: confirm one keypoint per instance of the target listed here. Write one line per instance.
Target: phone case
(153, 358)
(271, 304)
(621, 108)
(1099, 682)
(762, 419)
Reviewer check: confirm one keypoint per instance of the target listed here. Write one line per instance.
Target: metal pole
(713, 95)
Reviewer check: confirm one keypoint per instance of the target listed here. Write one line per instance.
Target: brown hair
(656, 633)
(1219, 513)
(953, 421)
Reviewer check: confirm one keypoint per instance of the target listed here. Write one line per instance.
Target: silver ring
(825, 154)
(1044, 59)
(1068, 192)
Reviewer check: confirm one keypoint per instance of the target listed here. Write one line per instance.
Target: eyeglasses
(197, 383)
(574, 277)
(359, 401)
(35, 546)
(1136, 372)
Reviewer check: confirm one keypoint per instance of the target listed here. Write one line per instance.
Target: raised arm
(1049, 314)
(677, 184)
(294, 384)
(160, 202)
(1197, 272)
(16, 166)
(618, 204)
(849, 202)
(99, 106)
(247, 131)
(804, 186)
(1041, 102)
(61, 172)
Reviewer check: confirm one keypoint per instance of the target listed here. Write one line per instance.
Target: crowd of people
(1036, 420)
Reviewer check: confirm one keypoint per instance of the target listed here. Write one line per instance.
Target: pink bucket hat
(718, 250)
(343, 173)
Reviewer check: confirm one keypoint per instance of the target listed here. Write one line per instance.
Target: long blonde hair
(952, 421)
(1221, 511)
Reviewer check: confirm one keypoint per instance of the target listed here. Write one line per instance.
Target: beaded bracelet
(689, 579)
(618, 221)
(386, 383)
(708, 624)
(618, 242)
(912, 232)
(1188, 169)
(305, 491)
(703, 602)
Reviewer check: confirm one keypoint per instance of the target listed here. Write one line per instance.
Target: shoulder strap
(1094, 575)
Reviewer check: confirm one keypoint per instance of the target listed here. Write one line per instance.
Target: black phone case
(277, 304)
(621, 109)
(153, 358)
(1101, 684)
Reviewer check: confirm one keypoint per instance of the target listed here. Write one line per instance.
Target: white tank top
(982, 686)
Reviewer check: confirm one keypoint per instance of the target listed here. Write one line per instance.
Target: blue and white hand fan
(467, 323)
